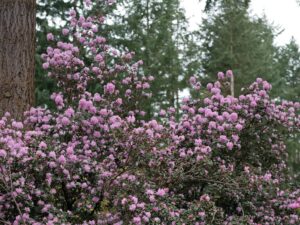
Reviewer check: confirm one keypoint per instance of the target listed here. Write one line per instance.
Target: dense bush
(96, 161)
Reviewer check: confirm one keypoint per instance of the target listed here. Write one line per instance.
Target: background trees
(288, 62)
(155, 31)
(210, 4)
(231, 39)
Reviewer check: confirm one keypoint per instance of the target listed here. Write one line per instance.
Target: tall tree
(231, 39)
(156, 31)
(17, 48)
(288, 59)
(211, 4)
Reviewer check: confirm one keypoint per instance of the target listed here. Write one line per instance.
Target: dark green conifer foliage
(231, 39)
(156, 31)
(211, 4)
(288, 59)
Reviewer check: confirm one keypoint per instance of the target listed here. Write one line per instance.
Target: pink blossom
(62, 159)
(221, 75)
(52, 154)
(59, 100)
(239, 127)
(46, 65)
(132, 207)
(65, 121)
(161, 192)
(42, 145)
(229, 73)
(110, 88)
(137, 220)
(233, 117)
(65, 31)
(229, 145)
(99, 58)
(192, 80)
(94, 120)
(267, 177)
(223, 139)
(205, 198)
(294, 205)
(3, 153)
(50, 37)
(69, 112)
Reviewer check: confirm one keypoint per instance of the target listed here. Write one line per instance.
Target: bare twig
(4, 222)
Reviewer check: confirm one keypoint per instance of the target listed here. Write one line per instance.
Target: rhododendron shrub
(96, 161)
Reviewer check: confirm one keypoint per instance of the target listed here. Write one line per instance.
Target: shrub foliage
(95, 160)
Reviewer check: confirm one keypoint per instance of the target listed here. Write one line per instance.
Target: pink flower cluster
(95, 160)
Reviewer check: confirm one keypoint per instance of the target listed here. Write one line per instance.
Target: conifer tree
(211, 4)
(156, 32)
(288, 59)
(231, 39)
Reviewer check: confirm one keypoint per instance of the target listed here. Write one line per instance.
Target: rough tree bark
(17, 49)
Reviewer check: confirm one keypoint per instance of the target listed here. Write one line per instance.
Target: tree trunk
(17, 51)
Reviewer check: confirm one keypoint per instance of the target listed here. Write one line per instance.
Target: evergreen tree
(288, 59)
(156, 32)
(211, 4)
(231, 39)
